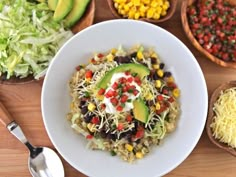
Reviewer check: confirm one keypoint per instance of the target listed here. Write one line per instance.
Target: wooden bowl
(213, 99)
(170, 12)
(194, 41)
(83, 23)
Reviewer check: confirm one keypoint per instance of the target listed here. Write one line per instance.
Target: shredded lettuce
(29, 38)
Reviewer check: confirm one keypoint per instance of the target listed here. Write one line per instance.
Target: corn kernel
(153, 108)
(156, 16)
(158, 106)
(160, 73)
(113, 51)
(139, 155)
(167, 3)
(91, 107)
(154, 4)
(176, 92)
(136, 15)
(130, 4)
(142, 8)
(136, 2)
(139, 55)
(154, 55)
(163, 12)
(150, 13)
(91, 127)
(158, 10)
(155, 66)
(164, 7)
(146, 1)
(110, 57)
(149, 96)
(170, 79)
(126, 8)
(158, 84)
(100, 97)
(129, 147)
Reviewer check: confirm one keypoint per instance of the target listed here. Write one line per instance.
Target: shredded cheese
(224, 121)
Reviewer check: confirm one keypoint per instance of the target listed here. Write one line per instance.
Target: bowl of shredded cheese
(221, 123)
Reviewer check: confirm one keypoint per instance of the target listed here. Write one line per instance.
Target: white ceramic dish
(102, 37)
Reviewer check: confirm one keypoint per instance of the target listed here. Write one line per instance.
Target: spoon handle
(5, 117)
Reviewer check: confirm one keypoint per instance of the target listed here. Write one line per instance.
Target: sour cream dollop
(128, 105)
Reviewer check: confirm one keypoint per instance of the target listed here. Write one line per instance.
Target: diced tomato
(130, 79)
(119, 108)
(115, 85)
(127, 73)
(120, 126)
(89, 136)
(114, 101)
(129, 118)
(95, 120)
(124, 98)
(140, 132)
(100, 55)
(109, 94)
(160, 98)
(135, 92)
(101, 91)
(88, 74)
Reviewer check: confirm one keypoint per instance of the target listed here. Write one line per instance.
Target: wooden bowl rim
(194, 41)
(171, 11)
(29, 79)
(214, 97)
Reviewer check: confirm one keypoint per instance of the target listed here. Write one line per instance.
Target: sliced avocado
(62, 10)
(52, 4)
(141, 71)
(76, 13)
(140, 110)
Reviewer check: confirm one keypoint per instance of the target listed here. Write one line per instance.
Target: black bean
(153, 60)
(155, 76)
(88, 118)
(133, 55)
(167, 74)
(122, 135)
(162, 65)
(84, 110)
(111, 136)
(103, 134)
(150, 103)
(121, 59)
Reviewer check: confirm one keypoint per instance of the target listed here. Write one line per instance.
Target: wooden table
(23, 102)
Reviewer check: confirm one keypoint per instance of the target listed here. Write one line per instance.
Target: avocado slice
(52, 4)
(140, 110)
(62, 10)
(141, 70)
(76, 13)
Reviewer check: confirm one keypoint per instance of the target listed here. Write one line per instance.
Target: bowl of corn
(153, 11)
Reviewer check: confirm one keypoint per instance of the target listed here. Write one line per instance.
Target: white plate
(102, 37)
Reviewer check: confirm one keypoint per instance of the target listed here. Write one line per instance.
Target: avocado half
(141, 71)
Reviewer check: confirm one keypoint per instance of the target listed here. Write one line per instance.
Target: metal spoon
(42, 162)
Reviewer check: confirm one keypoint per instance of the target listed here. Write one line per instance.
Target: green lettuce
(29, 38)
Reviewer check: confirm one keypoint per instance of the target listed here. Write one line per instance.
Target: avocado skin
(76, 13)
(140, 110)
(62, 10)
(141, 70)
(52, 4)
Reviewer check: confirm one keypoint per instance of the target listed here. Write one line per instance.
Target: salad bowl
(56, 99)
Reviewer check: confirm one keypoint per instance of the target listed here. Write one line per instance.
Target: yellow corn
(91, 107)
(129, 147)
(99, 97)
(160, 73)
(139, 55)
(110, 57)
(113, 51)
(176, 92)
(158, 106)
(139, 155)
(155, 66)
(170, 79)
(91, 127)
(154, 55)
(149, 96)
(153, 9)
(158, 84)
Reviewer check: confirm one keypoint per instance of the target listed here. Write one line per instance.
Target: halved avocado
(140, 110)
(52, 4)
(141, 71)
(62, 10)
(76, 13)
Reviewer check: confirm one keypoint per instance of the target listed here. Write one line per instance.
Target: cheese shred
(224, 121)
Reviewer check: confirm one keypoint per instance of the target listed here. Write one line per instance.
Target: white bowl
(102, 37)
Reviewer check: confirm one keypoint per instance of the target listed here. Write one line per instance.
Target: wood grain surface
(23, 102)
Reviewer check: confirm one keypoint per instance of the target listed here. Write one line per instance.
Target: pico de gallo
(213, 23)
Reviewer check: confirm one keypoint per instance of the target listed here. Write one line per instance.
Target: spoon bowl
(43, 161)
